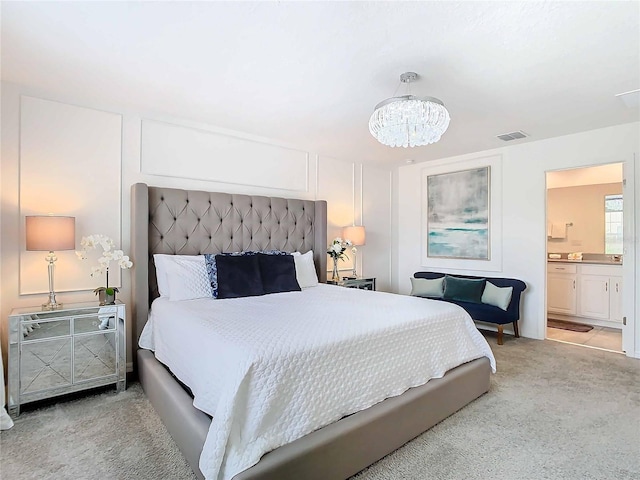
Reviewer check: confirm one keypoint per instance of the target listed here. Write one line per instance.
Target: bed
(172, 221)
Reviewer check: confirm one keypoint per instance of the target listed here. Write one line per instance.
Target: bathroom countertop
(588, 262)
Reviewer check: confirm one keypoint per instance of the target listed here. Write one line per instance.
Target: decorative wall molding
(70, 164)
(494, 263)
(179, 151)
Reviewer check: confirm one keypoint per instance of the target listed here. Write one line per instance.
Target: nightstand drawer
(39, 330)
(361, 283)
(94, 323)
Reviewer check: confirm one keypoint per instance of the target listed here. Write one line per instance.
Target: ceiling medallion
(409, 121)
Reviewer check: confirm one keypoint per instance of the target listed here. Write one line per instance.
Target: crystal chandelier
(409, 121)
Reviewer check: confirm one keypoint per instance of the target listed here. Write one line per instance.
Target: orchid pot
(106, 295)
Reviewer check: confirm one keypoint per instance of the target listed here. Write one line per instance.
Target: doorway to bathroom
(585, 257)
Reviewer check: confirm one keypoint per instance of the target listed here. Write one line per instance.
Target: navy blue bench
(488, 313)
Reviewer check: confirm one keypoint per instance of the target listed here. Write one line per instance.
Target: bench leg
(500, 327)
(515, 329)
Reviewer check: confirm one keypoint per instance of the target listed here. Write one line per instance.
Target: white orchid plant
(109, 254)
(337, 248)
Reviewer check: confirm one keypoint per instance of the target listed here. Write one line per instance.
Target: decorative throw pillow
(278, 273)
(427, 287)
(463, 289)
(238, 276)
(497, 296)
(305, 269)
(212, 271)
(193, 263)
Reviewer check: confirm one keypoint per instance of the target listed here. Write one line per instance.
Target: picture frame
(458, 214)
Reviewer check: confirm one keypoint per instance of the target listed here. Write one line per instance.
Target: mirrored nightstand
(75, 348)
(361, 283)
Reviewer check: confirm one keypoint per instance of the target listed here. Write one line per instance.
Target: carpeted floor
(554, 411)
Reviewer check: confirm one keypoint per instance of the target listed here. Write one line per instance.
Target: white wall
(582, 207)
(523, 192)
(353, 191)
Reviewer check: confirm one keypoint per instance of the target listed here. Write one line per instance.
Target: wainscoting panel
(494, 262)
(184, 152)
(336, 184)
(70, 164)
(376, 217)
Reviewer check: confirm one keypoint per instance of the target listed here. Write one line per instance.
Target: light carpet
(554, 411)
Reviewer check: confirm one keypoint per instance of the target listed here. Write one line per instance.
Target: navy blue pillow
(278, 273)
(238, 276)
(463, 289)
(212, 271)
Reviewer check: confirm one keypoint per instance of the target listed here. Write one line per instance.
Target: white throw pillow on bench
(497, 296)
(427, 287)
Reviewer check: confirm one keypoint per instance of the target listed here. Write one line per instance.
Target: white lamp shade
(50, 233)
(356, 234)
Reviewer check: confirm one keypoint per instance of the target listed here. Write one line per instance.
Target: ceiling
(310, 73)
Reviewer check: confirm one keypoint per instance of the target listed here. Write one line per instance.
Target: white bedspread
(272, 369)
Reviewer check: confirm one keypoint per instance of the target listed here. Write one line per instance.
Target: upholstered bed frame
(173, 221)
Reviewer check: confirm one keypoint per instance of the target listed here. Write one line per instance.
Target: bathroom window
(613, 239)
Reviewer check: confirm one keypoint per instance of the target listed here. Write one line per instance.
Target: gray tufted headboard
(188, 222)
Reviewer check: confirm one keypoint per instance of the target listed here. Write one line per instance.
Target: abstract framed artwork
(458, 213)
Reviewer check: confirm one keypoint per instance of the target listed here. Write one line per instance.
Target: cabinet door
(594, 297)
(94, 356)
(561, 293)
(615, 299)
(45, 365)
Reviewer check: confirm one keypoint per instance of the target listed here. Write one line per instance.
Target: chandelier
(409, 121)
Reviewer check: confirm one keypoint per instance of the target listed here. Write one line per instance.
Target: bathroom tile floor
(600, 337)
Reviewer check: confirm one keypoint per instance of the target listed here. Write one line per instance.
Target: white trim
(629, 342)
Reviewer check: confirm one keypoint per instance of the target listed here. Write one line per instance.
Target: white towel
(559, 230)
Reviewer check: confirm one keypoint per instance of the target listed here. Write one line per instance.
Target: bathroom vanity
(586, 291)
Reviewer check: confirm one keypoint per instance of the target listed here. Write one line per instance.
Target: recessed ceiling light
(631, 99)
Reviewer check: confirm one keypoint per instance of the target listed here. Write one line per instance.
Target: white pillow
(305, 269)
(427, 287)
(182, 277)
(497, 296)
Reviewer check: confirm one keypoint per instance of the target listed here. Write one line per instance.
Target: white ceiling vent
(507, 137)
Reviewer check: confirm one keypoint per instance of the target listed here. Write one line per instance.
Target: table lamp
(48, 233)
(358, 236)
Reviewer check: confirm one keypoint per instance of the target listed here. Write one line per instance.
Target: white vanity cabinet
(594, 297)
(590, 292)
(615, 299)
(561, 289)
